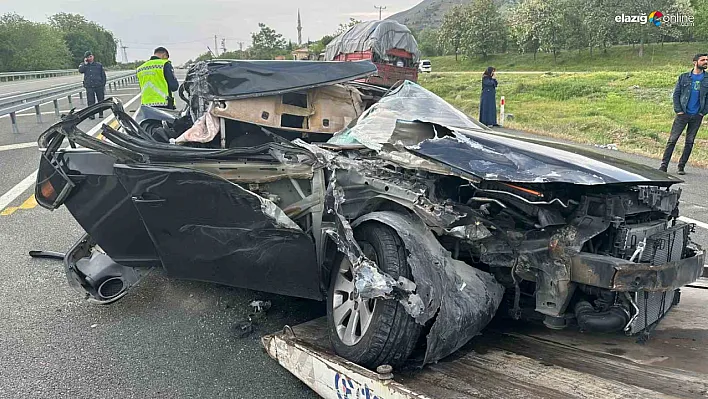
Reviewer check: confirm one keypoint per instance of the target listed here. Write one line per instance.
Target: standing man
(157, 80)
(690, 104)
(94, 80)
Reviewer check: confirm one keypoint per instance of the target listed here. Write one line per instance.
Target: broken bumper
(96, 275)
(625, 276)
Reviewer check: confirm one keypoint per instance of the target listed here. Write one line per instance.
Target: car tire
(391, 334)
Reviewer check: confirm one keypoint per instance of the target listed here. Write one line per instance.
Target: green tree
(346, 26)
(524, 30)
(642, 33)
(601, 30)
(484, 29)
(81, 35)
(574, 19)
(267, 43)
(234, 55)
(539, 25)
(700, 17)
(428, 42)
(26, 45)
(453, 30)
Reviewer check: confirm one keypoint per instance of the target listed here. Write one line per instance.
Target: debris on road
(608, 146)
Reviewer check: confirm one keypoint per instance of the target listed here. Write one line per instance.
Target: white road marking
(17, 146)
(698, 223)
(20, 188)
(16, 191)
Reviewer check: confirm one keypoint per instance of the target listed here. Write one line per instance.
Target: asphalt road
(24, 86)
(168, 338)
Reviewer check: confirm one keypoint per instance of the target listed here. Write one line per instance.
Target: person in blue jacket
(488, 99)
(690, 105)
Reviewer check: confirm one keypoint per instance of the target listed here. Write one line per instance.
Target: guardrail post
(71, 104)
(39, 114)
(81, 97)
(13, 118)
(56, 108)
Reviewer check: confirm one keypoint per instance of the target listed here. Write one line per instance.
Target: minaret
(299, 29)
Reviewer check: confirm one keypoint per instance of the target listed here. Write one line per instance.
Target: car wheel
(371, 332)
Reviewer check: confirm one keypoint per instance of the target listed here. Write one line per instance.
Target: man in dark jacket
(690, 104)
(94, 80)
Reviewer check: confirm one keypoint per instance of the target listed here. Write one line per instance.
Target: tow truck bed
(523, 361)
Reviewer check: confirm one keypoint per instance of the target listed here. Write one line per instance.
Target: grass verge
(630, 109)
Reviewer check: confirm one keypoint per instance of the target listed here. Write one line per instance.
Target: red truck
(388, 44)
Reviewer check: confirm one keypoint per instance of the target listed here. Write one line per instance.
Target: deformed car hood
(498, 157)
(411, 118)
(233, 79)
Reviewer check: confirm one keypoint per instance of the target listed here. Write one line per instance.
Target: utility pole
(124, 53)
(216, 46)
(223, 45)
(380, 8)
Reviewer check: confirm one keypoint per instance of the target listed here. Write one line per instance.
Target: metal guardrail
(9, 76)
(12, 104)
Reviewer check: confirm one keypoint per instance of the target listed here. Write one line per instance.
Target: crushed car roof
(233, 79)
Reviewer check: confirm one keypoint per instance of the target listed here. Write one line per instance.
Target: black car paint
(103, 208)
(233, 79)
(499, 157)
(222, 235)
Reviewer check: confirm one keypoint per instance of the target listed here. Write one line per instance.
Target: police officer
(157, 80)
(94, 80)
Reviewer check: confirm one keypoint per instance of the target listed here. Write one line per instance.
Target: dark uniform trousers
(94, 95)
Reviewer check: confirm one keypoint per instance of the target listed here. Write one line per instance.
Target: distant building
(303, 54)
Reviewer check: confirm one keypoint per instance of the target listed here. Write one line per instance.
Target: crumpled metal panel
(465, 299)
(462, 299)
(233, 79)
(460, 143)
(409, 102)
(227, 235)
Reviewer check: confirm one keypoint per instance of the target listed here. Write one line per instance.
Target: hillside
(429, 13)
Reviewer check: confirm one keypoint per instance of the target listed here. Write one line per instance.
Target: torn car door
(209, 229)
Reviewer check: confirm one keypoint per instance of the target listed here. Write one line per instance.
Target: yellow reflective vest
(153, 85)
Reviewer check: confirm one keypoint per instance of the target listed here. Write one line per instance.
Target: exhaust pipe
(612, 320)
(111, 288)
(94, 273)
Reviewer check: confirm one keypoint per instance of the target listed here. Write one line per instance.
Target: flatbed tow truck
(522, 361)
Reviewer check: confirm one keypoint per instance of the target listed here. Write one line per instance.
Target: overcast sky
(186, 27)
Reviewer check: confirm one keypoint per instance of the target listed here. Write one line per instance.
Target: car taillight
(47, 191)
(53, 184)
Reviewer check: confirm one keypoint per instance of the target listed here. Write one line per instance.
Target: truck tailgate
(523, 361)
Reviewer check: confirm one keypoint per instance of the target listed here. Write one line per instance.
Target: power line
(159, 42)
(380, 8)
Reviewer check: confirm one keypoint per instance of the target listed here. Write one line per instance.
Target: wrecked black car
(410, 219)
